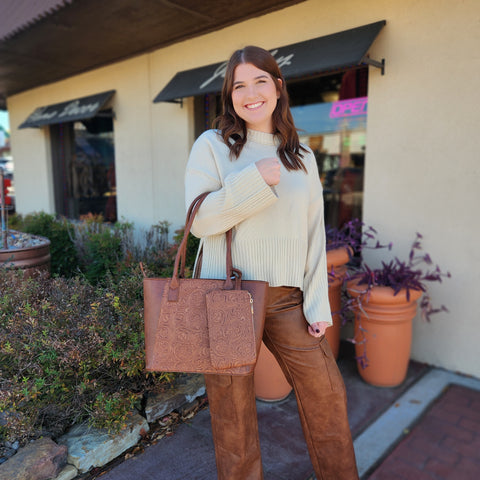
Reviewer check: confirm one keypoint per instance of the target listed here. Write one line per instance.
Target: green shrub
(72, 346)
(103, 254)
(104, 249)
(15, 221)
(70, 351)
(151, 248)
(98, 247)
(59, 232)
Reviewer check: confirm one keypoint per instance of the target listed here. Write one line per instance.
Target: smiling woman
(254, 97)
(265, 186)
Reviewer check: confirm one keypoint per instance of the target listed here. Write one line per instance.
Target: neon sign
(349, 108)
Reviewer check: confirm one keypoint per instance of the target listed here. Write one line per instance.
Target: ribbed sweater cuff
(251, 189)
(316, 304)
(320, 312)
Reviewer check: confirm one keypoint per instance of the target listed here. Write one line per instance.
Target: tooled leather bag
(200, 325)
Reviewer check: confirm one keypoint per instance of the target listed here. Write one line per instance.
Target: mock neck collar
(262, 137)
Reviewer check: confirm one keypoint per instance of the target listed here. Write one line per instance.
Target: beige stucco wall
(422, 160)
(132, 130)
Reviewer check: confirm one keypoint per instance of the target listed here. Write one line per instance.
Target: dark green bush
(98, 249)
(103, 255)
(72, 346)
(70, 351)
(59, 232)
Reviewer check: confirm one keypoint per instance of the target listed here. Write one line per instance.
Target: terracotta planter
(383, 330)
(336, 260)
(30, 260)
(270, 382)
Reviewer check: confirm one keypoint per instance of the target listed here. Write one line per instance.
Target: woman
(266, 185)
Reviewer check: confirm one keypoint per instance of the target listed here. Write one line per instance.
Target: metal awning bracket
(178, 101)
(110, 114)
(374, 63)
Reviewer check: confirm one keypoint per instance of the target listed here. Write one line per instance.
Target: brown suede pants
(312, 371)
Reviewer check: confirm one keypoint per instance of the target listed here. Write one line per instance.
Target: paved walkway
(381, 421)
(431, 432)
(444, 445)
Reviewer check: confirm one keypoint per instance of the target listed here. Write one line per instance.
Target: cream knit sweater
(279, 232)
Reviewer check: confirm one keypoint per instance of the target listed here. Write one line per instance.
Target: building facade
(406, 137)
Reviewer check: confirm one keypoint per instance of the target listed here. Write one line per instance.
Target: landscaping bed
(72, 343)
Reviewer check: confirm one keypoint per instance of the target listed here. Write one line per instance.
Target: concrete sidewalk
(379, 417)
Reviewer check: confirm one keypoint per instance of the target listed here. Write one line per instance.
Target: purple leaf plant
(354, 236)
(412, 274)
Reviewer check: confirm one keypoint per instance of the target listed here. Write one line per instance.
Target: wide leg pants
(311, 369)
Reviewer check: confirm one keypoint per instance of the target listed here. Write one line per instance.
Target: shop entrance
(83, 160)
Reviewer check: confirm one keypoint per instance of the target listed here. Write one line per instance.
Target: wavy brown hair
(234, 130)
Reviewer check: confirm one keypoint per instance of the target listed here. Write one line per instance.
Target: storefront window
(331, 115)
(84, 167)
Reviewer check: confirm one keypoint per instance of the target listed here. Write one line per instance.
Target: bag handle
(231, 272)
(180, 257)
(182, 248)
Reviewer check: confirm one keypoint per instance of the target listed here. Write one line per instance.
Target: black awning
(71, 111)
(329, 53)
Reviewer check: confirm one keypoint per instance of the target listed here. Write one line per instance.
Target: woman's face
(254, 97)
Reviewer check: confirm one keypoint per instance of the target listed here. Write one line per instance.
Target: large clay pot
(270, 382)
(383, 333)
(336, 260)
(30, 260)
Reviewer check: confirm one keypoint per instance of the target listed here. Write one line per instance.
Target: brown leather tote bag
(200, 325)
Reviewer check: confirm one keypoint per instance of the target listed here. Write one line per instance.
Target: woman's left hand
(317, 329)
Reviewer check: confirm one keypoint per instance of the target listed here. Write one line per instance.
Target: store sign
(73, 110)
(349, 108)
(50, 115)
(222, 68)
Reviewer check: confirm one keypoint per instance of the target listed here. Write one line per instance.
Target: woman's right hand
(269, 169)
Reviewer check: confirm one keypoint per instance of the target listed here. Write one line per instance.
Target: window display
(84, 168)
(331, 115)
